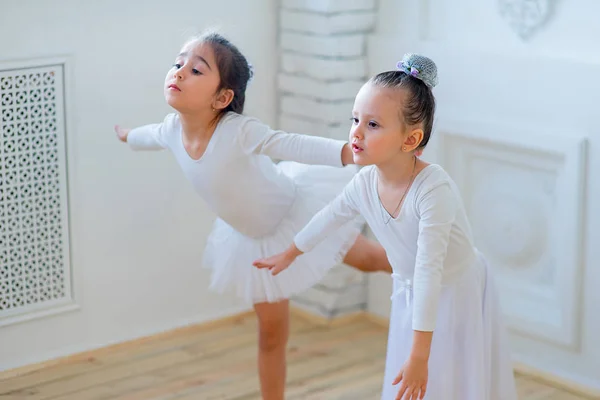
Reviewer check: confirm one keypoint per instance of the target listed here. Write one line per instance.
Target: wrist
(292, 252)
(124, 134)
(421, 347)
(419, 356)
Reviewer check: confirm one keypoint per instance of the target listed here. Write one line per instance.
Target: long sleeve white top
(236, 175)
(429, 243)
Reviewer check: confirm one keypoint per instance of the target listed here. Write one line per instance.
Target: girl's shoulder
(239, 125)
(170, 126)
(364, 177)
(432, 177)
(171, 121)
(367, 174)
(240, 121)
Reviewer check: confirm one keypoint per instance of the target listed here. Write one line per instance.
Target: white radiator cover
(35, 271)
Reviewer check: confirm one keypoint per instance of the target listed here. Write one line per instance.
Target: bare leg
(368, 256)
(273, 332)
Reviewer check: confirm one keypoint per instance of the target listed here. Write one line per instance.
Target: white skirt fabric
(230, 254)
(470, 358)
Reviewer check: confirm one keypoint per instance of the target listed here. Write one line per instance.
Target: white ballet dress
(441, 284)
(260, 205)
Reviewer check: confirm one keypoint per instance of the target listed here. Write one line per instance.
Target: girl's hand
(413, 377)
(279, 262)
(122, 133)
(347, 157)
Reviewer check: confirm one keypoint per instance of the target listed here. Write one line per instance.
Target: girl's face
(378, 132)
(191, 84)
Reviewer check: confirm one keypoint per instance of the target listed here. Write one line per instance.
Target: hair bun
(419, 67)
(250, 72)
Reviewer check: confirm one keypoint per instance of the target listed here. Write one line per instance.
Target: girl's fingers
(398, 378)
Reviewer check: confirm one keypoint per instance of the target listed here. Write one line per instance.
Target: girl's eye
(177, 65)
(372, 124)
(195, 71)
(354, 120)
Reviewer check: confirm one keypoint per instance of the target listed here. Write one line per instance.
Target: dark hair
(420, 102)
(234, 69)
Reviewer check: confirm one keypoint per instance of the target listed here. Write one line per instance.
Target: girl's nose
(357, 133)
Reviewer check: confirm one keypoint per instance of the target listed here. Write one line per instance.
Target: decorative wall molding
(526, 17)
(523, 191)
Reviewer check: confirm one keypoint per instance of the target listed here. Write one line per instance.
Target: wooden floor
(217, 361)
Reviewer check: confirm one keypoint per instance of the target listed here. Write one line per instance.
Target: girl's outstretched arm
(147, 137)
(342, 209)
(257, 138)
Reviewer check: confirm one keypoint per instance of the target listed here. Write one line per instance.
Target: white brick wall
(329, 6)
(326, 112)
(333, 303)
(290, 123)
(323, 65)
(324, 24)
(324, 69)
(318, 89)
(326, 46)
(341, 276)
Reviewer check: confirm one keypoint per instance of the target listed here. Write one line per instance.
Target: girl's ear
(223, 99)
(413, 140)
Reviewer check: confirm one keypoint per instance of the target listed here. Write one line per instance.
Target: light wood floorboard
(344, 360)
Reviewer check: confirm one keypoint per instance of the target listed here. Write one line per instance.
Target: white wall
(137, 228)
(532, 101)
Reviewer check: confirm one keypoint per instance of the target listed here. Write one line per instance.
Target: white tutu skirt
(230, 254)
(470, 358)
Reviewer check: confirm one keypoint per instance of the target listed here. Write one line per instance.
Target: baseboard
(556, 381)
(206, 322)
(378, 320)
(77, 356)
(324, 321)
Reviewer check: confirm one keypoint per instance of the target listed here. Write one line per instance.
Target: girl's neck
(398, 170)
(198, 126)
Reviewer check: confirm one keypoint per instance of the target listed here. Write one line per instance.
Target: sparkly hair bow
(413, 71)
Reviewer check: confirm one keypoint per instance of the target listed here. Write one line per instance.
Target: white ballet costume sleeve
(437, 209)
(151, 136)
(332, 217)
(257, 138)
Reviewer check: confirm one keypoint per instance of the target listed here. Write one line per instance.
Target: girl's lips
(356, 149)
